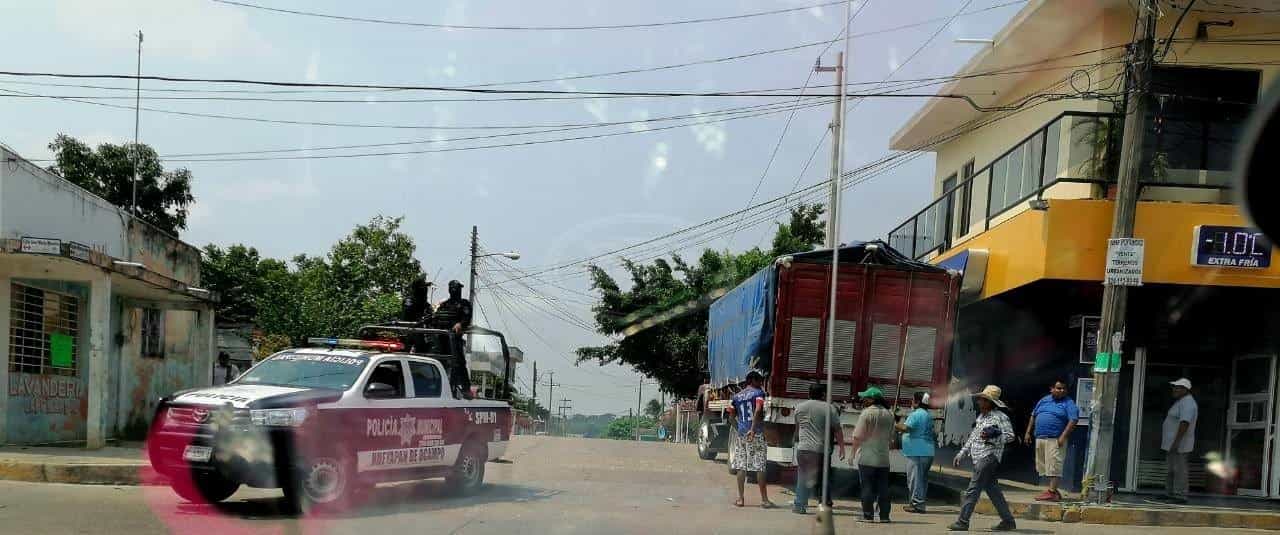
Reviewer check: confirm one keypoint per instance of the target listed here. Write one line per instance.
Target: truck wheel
(205, 487)
(706, 451)
(324, 483)
(468, 472)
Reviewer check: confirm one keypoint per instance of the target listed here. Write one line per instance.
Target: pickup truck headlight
(279, 417)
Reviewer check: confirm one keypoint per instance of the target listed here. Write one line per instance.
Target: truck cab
(325, 424)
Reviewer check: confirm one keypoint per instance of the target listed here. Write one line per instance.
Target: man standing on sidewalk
(991, 431)
(917, 447)
(1052, 421)
(748, 446)
(814, 420)
(224, 371)
(1177, 439)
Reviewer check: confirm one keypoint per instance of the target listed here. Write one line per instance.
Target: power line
(679, 22)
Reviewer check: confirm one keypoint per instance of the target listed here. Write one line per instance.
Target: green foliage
(163, 196)
(359, 282)
(668, 352)
(653, 409)
(624, 428)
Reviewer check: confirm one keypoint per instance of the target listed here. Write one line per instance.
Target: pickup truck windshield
(305, 370)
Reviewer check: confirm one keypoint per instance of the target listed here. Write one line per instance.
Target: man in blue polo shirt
(1052, 422)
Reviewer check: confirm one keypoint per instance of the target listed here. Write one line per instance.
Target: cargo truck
(893, 329)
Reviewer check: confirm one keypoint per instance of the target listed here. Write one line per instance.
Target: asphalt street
(545, 485)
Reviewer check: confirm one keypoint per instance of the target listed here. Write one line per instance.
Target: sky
(553, 202)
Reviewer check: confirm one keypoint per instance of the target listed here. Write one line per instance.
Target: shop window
(152, 333)
(44, 328)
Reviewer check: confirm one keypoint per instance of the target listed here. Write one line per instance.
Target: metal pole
(137, 107)
(551, 384)
(1114, 297)
(636, 422)
(824, 519)
(471, 284)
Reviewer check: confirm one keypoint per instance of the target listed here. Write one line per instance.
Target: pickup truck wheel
(705, 451)
(468, 471)
(324, 483)
(205, 487)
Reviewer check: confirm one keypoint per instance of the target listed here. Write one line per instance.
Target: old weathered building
(102, 313)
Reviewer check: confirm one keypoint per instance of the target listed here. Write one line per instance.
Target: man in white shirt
(1178, 438)
(224, 371)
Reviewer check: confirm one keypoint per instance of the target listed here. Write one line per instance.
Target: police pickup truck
(328, 422)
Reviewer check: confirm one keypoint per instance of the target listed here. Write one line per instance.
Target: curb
(1117, 516)
(79, 474)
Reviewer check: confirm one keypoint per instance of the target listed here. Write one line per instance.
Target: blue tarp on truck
(740, 328)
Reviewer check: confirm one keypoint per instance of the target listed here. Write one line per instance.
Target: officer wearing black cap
(454, 315)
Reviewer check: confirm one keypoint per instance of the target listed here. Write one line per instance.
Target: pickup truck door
(394, 435)
(442, 426)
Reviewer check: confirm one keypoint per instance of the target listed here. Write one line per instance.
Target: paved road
(551, 485)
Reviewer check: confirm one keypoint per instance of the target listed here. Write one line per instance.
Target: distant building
(101, 313)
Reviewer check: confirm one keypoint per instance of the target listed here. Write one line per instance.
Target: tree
(653, 409)
(239, 275)
(669, 351)
(624, 428)
(163, 196)
(360, 281)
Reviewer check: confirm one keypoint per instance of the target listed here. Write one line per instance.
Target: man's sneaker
(799, 510)
(958, 527)
(1048, 496)
(912, 509)
(1005, 525)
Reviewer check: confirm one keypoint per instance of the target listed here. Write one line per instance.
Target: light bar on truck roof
(352, 343)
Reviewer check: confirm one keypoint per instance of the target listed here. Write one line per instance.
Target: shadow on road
(415, 497)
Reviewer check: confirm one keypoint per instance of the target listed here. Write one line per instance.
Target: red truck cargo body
(893, 327)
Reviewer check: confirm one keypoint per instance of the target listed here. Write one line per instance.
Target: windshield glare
(306, 371)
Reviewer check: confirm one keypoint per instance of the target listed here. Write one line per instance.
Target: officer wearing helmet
(454, 315)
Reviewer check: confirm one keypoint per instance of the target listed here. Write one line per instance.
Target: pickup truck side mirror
(379, 391)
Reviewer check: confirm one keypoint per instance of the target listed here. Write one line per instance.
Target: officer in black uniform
(416, 306)
(454, 315)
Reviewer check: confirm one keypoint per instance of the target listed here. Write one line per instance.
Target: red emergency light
(381, 345)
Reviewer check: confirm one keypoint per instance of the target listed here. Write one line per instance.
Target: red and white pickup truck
(327, 423)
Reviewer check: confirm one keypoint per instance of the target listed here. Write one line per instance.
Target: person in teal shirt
(917, 447)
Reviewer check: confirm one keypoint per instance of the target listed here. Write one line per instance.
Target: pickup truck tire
(706, 450)
(321, 484)
(468, 471)
(205, 487)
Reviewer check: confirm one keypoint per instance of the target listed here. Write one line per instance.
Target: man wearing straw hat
(991, 431)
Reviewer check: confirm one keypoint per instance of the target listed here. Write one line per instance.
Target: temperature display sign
(1238, 247)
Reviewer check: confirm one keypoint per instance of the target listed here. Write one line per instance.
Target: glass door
(1249, 422)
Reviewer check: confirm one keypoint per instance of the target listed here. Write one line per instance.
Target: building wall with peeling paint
(52, 408)
(30, 195)
(144, 380)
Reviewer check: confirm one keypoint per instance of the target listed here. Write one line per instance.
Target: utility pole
(634, 422)
(137, 109)
(551, 384)
(1115, 297)
(824, 520)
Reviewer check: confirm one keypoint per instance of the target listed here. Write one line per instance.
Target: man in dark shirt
(454, 315)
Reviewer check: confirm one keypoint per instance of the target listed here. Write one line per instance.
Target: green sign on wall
(60, 351)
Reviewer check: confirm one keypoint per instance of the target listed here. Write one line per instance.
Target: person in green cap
(871, 446)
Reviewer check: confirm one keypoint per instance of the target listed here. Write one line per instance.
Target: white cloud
(894, 63)
(188, 29)
(659, 159)
(313, 68)
(599, 109)
(271, 189)
(711, 136)
(639, 115)
(449, 71)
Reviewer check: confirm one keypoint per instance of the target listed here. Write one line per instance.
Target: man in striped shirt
(991, 431)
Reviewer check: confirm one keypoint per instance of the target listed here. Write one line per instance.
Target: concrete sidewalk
(1125, 510)
(117, 465)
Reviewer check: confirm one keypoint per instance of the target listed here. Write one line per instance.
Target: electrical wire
(392, 22)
